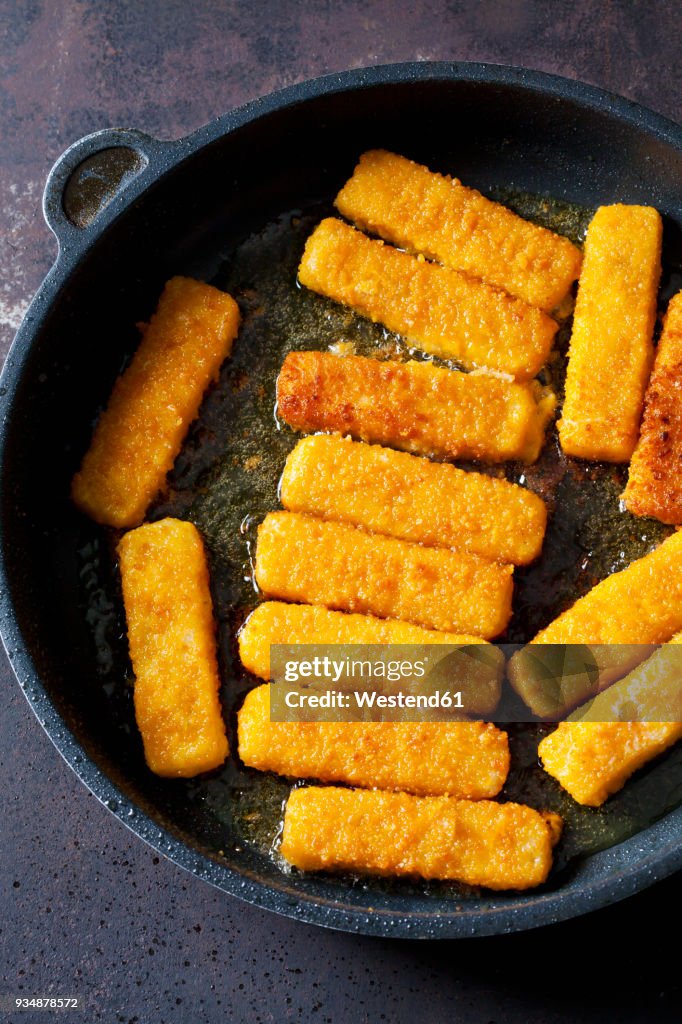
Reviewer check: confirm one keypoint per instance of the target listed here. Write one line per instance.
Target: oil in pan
(226, 479)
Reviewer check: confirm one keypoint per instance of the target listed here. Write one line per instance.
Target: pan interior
(237, 214)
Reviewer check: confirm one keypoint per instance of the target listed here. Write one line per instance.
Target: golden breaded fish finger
(436, 309)
(652, 692)
(275, 622)
(171, 634)
(154, 401)
(611, 346)
(592, 760)
(498, 846)
(654, 485)
(639, 605)
(304, 559)
(418, 407)
(464, 759)
(404, 496)
(416, 209)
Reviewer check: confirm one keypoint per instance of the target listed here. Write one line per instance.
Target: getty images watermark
(500, 683)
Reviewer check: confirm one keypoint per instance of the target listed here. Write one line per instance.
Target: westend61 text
(371, 699)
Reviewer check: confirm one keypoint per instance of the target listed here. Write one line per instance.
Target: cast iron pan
(129, 212)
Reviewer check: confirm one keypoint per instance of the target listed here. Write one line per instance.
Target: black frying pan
(130, 211)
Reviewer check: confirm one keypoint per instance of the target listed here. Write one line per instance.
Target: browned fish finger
(154, 401)
(304, 559)
(416, 209)
(414, 499)
(275, 622)
(651, 692)
(617, 619)
(498, 846)
(171, 634)
(465, 759)
(618, 731)
(611, 349)
(437, 310)
(417, 407)
(654, 485)
(592, 760)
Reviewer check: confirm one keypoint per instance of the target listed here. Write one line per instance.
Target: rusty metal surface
(85, 908)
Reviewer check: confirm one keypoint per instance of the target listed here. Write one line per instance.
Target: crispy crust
(611, 347)
(440, 311)
(464, 759)
(414, 406)
(301, 558)
(171, 634)
(411, 498)
(498, 846)
(654, 485)
(275, 622)
(154, 401)
(416, 209)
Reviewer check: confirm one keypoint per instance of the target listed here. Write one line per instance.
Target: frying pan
(129, 211)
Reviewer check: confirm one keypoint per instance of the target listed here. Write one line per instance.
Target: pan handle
(95, 178)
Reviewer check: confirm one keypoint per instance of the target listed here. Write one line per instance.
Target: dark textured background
(85, 907)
